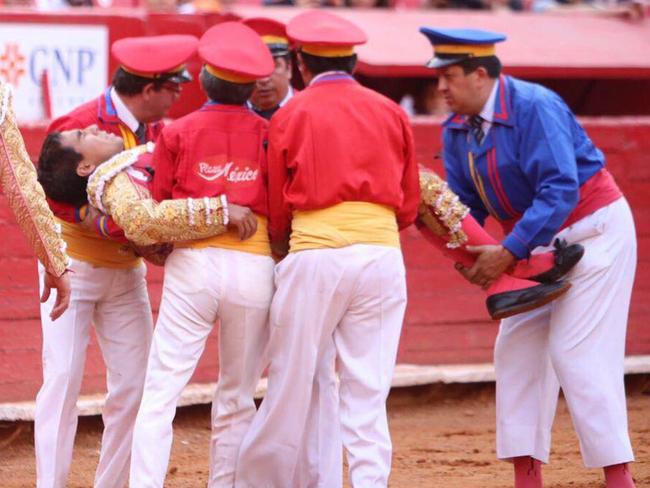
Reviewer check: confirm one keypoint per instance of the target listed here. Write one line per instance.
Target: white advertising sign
(75, 57)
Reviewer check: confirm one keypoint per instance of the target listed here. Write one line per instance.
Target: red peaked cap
(273, 33)
(234, 52)
(156, 57)
(324, 34)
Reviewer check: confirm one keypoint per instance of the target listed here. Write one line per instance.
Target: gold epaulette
(108, 170)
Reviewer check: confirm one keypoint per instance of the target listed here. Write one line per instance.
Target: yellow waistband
(85, 245)
(257, 244)
(342, 225)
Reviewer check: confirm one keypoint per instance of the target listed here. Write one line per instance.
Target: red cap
(234, 52)
(156, 56)
(272, 32)
(324, 34)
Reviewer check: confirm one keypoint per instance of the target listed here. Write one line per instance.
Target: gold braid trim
(144, 220)
(26, 198)
(441, 210)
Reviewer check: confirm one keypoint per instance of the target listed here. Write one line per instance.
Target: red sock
(528, 472)
(618, 476)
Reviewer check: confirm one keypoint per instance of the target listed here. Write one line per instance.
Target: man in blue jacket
(513, 150)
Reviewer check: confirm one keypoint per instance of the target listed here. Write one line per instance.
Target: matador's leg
(446, 223)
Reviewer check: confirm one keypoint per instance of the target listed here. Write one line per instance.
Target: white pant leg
(312, 292)
(64, 353)
(124, 326)
(243, 337)
(583, 336)
(587, 339)
(320, 461)
(367, 339)
(187, 313)
(527, 387)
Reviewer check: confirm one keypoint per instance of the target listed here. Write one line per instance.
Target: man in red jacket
(342, 182)
(146, 84)
(108, 283)
(218, 149)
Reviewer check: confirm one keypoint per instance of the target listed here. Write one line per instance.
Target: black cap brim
(438, 62)
(180, 77)
(278, 50)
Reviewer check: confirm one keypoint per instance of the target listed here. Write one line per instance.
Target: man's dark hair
(129, 84)
(492, 65)
(321, 64)
(226, 92)
(57, 172)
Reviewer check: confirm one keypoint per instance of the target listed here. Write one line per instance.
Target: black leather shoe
(508, 303)
(565, 258)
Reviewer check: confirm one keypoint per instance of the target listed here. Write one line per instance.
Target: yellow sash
(129, 138)
(86, 245)
(344, 224)
(257, 244)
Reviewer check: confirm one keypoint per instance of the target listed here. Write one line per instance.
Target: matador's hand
(62, 285)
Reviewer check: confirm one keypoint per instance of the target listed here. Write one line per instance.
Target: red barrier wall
(445, 321)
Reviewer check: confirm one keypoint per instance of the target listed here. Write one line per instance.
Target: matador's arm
(26, 198)
(145, 221)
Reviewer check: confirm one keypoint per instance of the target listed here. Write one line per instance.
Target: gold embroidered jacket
(25, 195)
(120, 189)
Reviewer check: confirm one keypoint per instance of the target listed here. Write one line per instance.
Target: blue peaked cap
(452, 46)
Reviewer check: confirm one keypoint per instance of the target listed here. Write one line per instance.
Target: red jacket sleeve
(67, 212)
(279, 211)
(66, 122)
(164, 160)
(106, 227)
(410, 179)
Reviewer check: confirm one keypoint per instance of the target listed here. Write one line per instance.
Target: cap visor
(182, 77)
(279, 51)
(435, 63)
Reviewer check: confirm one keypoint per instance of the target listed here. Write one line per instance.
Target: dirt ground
(443, 436)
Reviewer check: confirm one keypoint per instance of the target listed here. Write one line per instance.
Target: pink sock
(618, 476)
(528, 472)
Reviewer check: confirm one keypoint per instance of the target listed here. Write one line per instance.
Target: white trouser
(348, 304)
(117, 303)
(576, 342)
(201, 286)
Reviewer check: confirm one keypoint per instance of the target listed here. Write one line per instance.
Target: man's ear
(482, 73)
(147, 90)
(85, 168)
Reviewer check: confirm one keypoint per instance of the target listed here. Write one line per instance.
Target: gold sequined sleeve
(440, 209)
(25, 195)
(146, 221)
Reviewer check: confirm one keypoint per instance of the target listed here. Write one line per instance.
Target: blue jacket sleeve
(549, 164)
(458, 182)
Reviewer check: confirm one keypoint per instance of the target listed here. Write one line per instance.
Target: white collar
(487, 113)
(287, 97)
(123, 112)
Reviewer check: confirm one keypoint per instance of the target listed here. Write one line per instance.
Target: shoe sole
(527, 307)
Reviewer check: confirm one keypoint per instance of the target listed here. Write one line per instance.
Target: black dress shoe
(508, 303)
(565, 257)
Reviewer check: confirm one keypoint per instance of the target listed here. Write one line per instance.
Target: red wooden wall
(445, 321)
